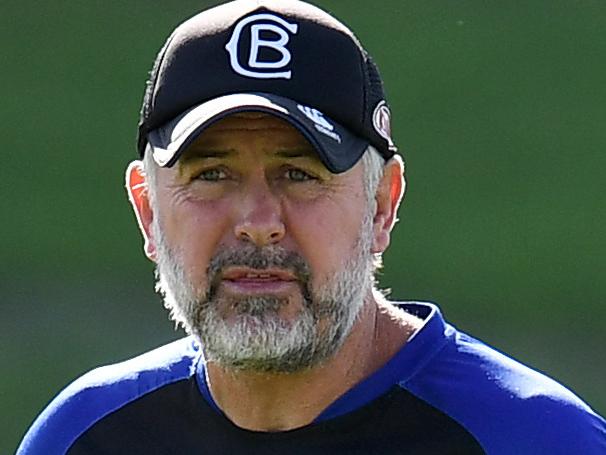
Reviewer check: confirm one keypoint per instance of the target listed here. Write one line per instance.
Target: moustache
(258, 258)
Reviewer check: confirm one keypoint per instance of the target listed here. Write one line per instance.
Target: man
(266, 194)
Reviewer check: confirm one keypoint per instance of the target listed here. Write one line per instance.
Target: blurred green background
(500, 111)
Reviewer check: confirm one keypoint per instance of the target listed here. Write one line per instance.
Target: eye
(297, 175)
(212, 175)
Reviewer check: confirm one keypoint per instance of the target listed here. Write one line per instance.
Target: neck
(283, 401)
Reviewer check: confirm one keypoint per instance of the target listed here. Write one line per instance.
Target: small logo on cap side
(266, 24)
(381, 120)
(320, 122)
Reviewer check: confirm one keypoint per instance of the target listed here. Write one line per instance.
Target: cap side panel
(149, 96)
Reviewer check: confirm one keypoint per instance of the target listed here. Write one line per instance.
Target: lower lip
(258, 287)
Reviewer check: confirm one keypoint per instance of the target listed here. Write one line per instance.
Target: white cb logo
(280, 28)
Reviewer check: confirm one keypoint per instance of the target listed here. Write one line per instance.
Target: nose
(259, 218)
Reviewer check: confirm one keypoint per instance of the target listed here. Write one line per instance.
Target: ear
(390, 191)
(136, 188)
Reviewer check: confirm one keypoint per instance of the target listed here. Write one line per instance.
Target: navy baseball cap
(287, 58)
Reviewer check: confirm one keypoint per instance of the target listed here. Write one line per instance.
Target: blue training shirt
(444, 392)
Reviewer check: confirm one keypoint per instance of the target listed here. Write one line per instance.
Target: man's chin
(264, 307)
(257, 325)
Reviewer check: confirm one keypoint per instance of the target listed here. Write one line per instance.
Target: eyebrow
(298, 153)
(194, 154)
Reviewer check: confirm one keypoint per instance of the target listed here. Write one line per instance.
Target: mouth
(249, 281)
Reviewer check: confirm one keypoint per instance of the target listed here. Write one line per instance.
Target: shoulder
(104, 390)
(507, 406)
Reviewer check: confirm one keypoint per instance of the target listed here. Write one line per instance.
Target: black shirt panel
(175, 419)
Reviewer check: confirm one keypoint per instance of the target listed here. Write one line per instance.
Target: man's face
(262, 253)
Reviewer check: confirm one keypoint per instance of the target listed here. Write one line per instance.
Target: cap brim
(338, 149)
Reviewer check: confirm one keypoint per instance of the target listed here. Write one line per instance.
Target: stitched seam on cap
(152, 101)
(364, 69)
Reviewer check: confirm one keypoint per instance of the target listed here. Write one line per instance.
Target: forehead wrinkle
(237, 134)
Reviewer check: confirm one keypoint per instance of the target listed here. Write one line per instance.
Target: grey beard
(257, 339)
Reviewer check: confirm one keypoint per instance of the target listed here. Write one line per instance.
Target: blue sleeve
(69, 415)
(508, 407)
(102, 391)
